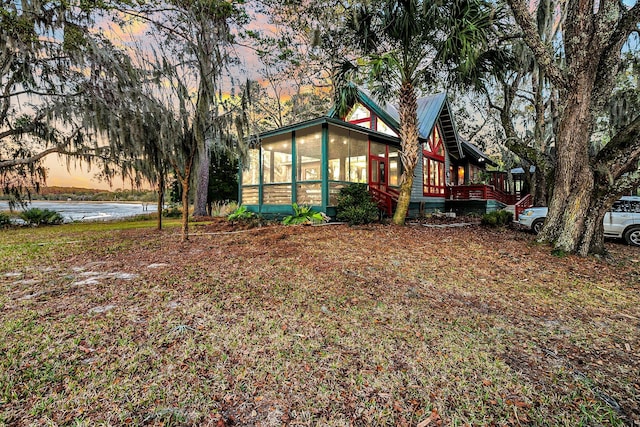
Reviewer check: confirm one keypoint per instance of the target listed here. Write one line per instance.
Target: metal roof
(430, 109)
(379, 136)
(475, 154)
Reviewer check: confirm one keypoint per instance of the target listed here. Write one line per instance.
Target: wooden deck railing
(524, 203)
(480, 192)
(385, 199)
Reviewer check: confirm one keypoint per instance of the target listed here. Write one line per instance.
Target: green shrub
(356, 206)
(5, 220)
(37, 216)
(303, 215)
(173, 211)
(240, 214)
(497, 218)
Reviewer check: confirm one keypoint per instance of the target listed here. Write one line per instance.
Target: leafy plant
(5, 220)
(303, 215)
(37, 216)
(240, 214)
(356, 206)
(497, 218)
(173, 211)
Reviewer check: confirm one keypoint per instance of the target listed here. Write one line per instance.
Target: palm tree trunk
(409, 148)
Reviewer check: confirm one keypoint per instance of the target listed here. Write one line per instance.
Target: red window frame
(433, 168)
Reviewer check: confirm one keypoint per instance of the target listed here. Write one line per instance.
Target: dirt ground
(315, 325)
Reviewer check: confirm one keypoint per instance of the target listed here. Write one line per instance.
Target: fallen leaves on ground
(330, 325)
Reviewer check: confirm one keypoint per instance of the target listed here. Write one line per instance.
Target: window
(475, 174)
(433, 165)
(359, 115)
(395, 167)
(384, 128)
(251, 175)
(362, 116)
(251, 178)
(277, 169)
(276, 159)
(309, 154)
(347, 155)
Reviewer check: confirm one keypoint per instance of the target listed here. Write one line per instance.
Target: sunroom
(308, 163)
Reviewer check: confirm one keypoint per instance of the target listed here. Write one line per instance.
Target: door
(378, 174)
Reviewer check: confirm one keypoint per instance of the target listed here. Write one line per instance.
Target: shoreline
(124, 202)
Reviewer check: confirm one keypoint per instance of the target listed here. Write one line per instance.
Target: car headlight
(528, 213)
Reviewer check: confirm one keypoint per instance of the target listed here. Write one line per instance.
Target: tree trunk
(202, 182)
(543, 179)
(409, 148)
(160, 200)
(592, 239)
(565, 226)
(185, 210)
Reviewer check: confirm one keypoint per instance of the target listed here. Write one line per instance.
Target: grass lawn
(118, 324)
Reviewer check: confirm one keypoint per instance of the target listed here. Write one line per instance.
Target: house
(309, 162)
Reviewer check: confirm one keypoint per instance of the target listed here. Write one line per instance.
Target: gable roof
(430, 109)
(475, 154)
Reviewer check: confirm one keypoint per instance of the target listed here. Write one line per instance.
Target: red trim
(430, 188)
(382, 186)
(358, 121)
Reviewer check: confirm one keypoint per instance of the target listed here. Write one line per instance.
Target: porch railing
(524, 203)
(480, 192)
(385, 199)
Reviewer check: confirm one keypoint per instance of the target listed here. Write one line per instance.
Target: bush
(303, 215)
(173, 211)
(497, 218)
(37, 216)
(240, 214)
(5, 220)
(355, 205)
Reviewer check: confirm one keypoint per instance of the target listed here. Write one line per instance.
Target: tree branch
(622, 153)
(609, 59)
(4, 164)
(535, 43)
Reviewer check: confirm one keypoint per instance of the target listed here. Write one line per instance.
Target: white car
(622, 221)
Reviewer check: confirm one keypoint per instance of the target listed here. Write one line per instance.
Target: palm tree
(409, 44)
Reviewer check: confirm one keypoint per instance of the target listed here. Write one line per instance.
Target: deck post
(294, 169)
(325, 166)
(260, 178)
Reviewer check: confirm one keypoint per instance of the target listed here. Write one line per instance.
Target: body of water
(90, 211)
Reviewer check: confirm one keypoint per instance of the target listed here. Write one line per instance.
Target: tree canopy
(409, 45)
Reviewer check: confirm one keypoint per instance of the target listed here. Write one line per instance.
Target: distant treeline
(90, 194)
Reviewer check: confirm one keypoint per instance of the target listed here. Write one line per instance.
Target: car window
(619, 206)
(634, 206)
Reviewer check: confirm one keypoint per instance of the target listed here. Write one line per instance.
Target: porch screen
(251, 178)
(309, 166)
(277, 164)
(347, 155)
(251, 174)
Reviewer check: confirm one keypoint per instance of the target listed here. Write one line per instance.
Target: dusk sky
(84, 176)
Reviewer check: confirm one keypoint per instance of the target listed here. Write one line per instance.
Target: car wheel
(537, 225)
(632, 236)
